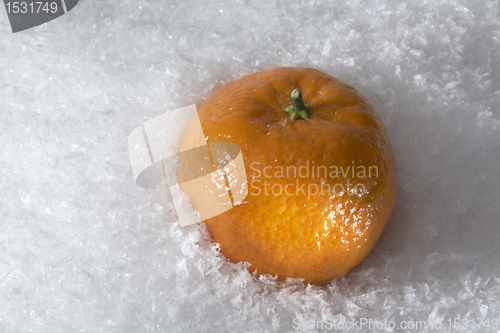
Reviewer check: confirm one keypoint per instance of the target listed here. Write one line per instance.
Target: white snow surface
(83, 249)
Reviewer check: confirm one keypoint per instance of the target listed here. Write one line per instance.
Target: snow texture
(83, 249)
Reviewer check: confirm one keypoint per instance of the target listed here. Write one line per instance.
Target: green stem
(298, 110)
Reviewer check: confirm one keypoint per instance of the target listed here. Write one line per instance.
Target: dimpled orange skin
(314, 237)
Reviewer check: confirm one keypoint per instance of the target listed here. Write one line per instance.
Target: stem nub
(298, 110)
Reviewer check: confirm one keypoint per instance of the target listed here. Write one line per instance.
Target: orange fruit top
(318, 224)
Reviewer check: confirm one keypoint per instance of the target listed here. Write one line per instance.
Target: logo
(214, 171)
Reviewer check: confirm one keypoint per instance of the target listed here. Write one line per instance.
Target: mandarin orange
(320, 168)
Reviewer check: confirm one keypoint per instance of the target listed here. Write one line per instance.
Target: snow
(83, 249)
